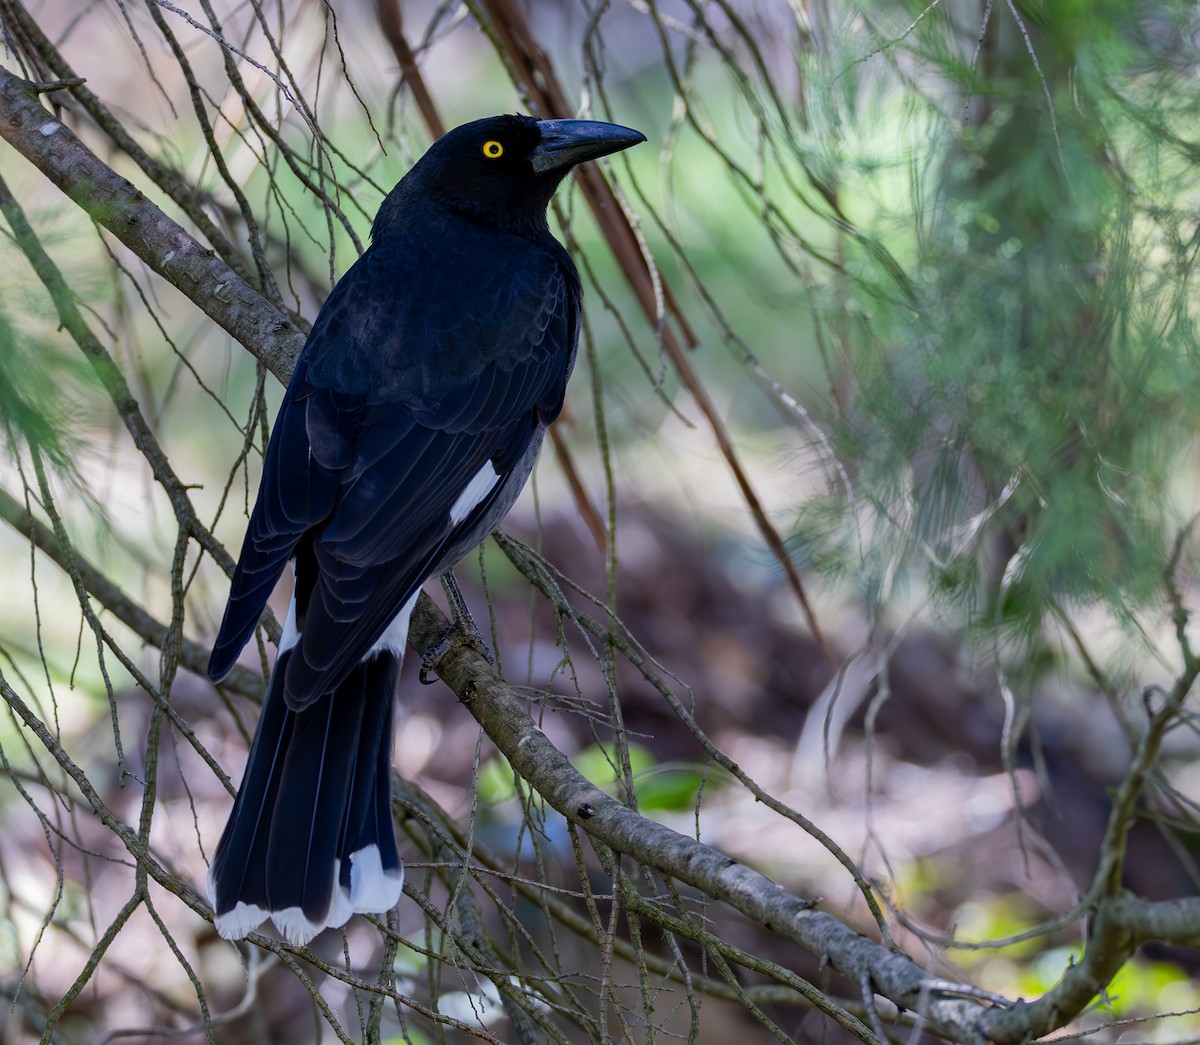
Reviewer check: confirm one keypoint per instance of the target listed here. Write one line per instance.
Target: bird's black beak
(568, 142)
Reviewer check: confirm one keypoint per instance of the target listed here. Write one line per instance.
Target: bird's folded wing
(296, 492)
(396, 418)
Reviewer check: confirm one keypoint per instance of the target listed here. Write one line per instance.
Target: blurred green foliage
(1029, 968)
(659, 788)
(39, 382)
(1013, 432)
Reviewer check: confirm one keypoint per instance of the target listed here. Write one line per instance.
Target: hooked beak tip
(566, 143)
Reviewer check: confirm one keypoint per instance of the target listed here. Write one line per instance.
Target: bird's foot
(463, 632)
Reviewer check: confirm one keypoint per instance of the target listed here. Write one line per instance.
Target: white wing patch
(482, 484)
(396, 637)
(291, 635)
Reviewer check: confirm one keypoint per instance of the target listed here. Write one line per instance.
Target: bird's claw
(462, 632)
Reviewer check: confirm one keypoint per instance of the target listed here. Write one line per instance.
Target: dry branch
(504, 718)
(532, 69)
(145, 228)
(194, 655)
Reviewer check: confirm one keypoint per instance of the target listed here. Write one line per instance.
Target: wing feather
(409, 384)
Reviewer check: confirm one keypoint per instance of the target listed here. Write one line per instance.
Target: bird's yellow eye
(493, 150)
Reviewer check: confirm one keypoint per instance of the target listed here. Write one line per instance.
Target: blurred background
(877, 472)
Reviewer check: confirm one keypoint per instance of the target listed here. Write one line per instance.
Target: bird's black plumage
(411, 423)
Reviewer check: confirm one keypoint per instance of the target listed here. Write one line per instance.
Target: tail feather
(237, 874)
(310, 840)
(371, 870)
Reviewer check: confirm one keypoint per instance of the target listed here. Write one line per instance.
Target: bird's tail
(310, 840)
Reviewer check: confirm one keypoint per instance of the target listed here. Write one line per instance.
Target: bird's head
(503, 170)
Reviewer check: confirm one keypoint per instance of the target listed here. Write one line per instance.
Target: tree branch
(532, 69)
(111, 378)
(171, 181)
(503, 717)
(267, 333)
(194, 655)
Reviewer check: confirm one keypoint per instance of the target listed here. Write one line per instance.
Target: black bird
(411, 423)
